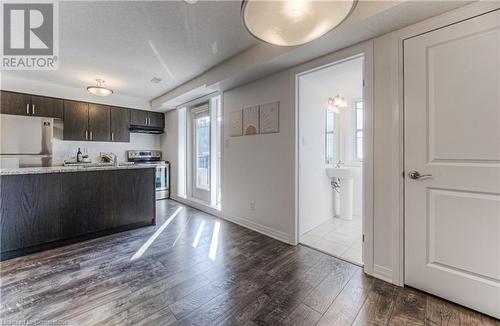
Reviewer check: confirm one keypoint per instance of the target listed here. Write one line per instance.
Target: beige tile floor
(337, 237)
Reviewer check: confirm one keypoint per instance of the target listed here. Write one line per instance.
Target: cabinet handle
(27, 108)
(86, 134)
(90, 135)
(33, 106)
(112, 136)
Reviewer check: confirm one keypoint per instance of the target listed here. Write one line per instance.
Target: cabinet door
(76, 121)
(156, 119)
(133, 196)
(138, 117)
(99, 123)
(86, 200)
(29, 210)
(120, 124)
(14, 103)
(46, 107)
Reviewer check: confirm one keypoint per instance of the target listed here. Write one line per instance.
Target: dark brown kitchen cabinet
(120, 124)
(47, 210)
(31, 105)
(29, 210)
(76, 121)
(147, 119)
(138, 117)
(99, 123)
(156, 119)
(83, 121)
(46, 107)
(86, 198)
(15, 103)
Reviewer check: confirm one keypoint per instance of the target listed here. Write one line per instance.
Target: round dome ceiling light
(293, 22)
(99, 89)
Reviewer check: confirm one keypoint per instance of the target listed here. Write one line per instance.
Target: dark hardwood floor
(180, 272)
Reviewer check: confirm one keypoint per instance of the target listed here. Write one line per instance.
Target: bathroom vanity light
(336, 103)
(293, 22)
(99, 89)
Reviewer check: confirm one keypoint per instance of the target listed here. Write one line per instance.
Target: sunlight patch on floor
(215, 241)
(148, 243)
(198, 234)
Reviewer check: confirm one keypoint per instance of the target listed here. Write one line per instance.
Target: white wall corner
(383, 273)
(265, 230)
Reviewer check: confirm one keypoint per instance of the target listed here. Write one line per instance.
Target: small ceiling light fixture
(336, 103)
(293, 22)
(99, 89)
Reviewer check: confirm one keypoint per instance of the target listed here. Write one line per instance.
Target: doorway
(331, 153)
(199, 152)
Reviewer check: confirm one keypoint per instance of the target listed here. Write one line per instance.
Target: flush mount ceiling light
(336, 103)
(293, 22)
(99, 89)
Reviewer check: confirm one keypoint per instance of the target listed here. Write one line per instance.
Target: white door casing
(199, 175)
(452, 131)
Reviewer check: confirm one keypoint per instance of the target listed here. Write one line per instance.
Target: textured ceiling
(127, 43)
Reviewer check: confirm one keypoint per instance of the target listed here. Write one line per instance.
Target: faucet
(115, 159)
(339, 163)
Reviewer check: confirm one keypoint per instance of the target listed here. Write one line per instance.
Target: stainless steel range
(162, 169)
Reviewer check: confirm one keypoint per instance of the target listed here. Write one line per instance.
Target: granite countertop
(59, 169)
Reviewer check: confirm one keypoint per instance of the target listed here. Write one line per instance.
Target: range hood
(146, 129)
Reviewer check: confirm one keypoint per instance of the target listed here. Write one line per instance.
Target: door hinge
(363, 238)
(363, 83)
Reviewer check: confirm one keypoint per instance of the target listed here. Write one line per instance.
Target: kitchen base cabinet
(29, 210)
(42, 211)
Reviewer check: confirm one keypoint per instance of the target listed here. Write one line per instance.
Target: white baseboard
(383, 273)
(270, 232)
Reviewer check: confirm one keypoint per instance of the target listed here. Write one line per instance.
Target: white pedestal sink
(346, 175)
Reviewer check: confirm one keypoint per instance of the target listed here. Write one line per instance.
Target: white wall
(259, 168)
(383, 134)
(169, 148)
(315, 191)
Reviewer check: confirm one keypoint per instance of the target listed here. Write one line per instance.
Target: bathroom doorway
(331, 154)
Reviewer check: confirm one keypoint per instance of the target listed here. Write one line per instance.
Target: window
(202, 149)
(330, 141)
(358, 132)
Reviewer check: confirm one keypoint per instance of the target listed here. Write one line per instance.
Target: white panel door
(452, 132)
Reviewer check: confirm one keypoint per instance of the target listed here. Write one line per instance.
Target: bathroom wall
(316, 194)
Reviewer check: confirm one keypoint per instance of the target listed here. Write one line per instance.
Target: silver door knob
(415, 175)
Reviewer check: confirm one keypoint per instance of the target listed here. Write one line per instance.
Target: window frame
(357, 130)
(330, 160)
